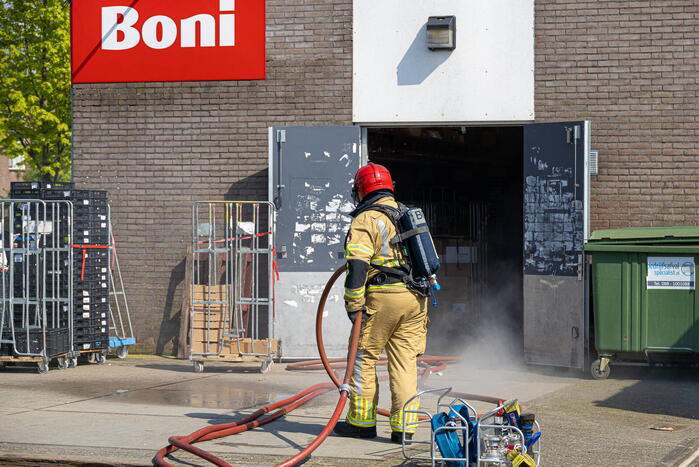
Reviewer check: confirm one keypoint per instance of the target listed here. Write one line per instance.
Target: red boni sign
(167, 40)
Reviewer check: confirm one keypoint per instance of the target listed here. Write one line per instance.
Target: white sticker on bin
(86, 315)
(86, 299)
(670, 272)
(86, 307)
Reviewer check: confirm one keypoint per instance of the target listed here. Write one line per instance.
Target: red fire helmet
(370, 178)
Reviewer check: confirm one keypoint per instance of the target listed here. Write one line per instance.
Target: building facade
(629, 68)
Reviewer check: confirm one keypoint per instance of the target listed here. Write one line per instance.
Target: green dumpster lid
(676, 234)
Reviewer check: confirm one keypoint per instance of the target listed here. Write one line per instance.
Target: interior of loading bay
(468, 182)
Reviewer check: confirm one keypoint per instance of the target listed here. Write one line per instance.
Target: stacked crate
(30, 287)
(90, 238)
(90, 266)
(209, 318)
(35, 190)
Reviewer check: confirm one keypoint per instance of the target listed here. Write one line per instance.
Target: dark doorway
(468, 181)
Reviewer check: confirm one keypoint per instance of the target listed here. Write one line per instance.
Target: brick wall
(632, 69)
(157, 147)
(629, 67)
(8, 175)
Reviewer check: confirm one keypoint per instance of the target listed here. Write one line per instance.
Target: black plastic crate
(94, 238)
(85, 327)
(91, 223)
(90, 194)
(79, 313)
(87, 213)
(92, 342)
(96, 304)
(17, 186)
(92, 255)
(100, 324)
(88, 273)
(95, 308)
(40, 185)
(101, 266)
(82, 295)
(94, 206)
(87, 230)
(69, 193)
(91, 286)
(28, 290)
(90, 333)
(62, 286)
(97, 213)
(26, 194)
(57, 341)
(75, 194)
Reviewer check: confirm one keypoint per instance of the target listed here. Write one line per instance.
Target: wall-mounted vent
(592, 161)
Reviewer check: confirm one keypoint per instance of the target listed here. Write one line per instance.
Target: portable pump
(416, 244)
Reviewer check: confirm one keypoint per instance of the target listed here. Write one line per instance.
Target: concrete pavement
(122, 412)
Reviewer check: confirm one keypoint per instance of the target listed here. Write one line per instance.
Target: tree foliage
(35, 85)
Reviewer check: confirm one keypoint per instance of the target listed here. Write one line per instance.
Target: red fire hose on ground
(278, 409)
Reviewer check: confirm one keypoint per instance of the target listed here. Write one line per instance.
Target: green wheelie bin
(644, 297)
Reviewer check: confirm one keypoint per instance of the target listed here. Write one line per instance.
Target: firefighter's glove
(352, 315)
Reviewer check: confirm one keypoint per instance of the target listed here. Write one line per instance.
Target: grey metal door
(555, 229)
(311, 173)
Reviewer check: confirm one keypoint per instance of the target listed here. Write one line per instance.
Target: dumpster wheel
(598, 371)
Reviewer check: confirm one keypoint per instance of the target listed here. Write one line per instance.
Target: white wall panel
(488, 78)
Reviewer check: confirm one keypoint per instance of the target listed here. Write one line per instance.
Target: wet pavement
(122, 412)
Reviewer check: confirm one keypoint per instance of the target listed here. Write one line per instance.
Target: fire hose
(278, 409)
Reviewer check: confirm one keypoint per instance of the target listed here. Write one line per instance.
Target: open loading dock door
(311, 170)
(507, 209)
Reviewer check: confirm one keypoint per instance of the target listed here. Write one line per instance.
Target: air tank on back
(424, 260)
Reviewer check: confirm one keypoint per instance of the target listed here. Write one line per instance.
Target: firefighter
(394, 318)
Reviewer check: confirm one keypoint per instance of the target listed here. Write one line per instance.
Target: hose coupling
(344, 387)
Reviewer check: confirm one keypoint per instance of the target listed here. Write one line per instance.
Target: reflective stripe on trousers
(396, 322)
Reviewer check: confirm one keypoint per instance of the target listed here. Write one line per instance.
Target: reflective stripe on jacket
(368, 243)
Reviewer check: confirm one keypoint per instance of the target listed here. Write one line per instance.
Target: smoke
(488, 333)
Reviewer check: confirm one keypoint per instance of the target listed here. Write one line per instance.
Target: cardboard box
(214, 320)
(248, 345)
(201, 335)
(213, 293)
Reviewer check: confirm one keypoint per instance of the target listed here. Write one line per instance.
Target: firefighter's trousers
(397, 321)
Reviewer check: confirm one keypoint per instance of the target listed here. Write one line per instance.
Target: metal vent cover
(592, 161)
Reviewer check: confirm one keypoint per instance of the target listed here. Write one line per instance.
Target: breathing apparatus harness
(414, 241)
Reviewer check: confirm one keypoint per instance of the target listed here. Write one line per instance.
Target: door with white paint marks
(311, 170)
(555, 229)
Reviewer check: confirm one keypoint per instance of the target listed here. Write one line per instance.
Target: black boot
(350, 431)
(397, 437)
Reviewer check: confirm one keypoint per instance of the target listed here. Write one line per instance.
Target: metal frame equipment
(232, 288)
